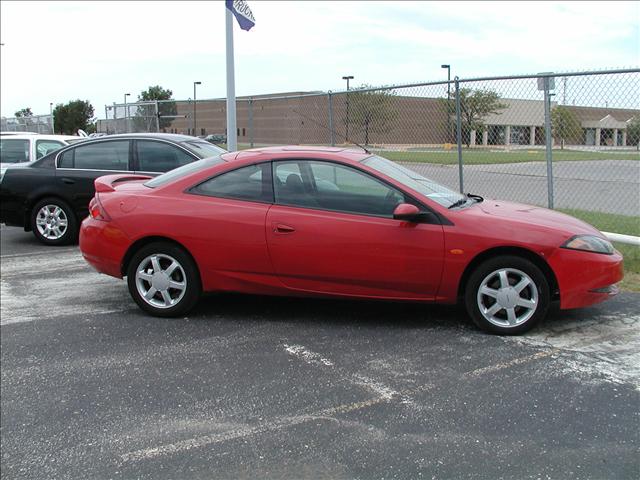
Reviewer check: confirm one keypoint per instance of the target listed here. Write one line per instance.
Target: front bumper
(586, 278)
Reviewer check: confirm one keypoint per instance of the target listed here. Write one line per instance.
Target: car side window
(44, 147)
(13, 150)
(110, 155)
(252, 183)
(160, 156)
(332, 186)
(66, 159)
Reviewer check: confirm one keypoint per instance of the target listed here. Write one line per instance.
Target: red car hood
(532, 215)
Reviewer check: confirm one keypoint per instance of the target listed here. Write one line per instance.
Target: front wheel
(163, 280)
(53, 222)
(507, 295)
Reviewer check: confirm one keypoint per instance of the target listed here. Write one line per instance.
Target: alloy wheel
(161, 280)
(507, 297)
(52, 222)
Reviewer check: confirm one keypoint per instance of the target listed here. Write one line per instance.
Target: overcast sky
(98, 51)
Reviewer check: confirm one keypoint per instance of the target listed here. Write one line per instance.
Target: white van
(26, 147)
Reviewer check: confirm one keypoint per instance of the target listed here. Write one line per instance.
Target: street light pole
(347, 78)
(448, 67)
(194, 108)
(126, 113)
(53, 130)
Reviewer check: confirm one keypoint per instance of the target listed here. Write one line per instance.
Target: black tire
(509, 312)
(179, 300)
(53, 222)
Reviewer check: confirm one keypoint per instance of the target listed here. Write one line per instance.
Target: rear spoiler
(108, 182)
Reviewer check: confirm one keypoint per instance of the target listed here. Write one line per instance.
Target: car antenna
(330, 130)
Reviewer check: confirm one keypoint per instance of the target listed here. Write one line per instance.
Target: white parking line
(603, 348)
(34, 254)
(307, 356)
(281, 423)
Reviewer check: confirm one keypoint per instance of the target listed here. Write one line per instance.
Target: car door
(332, 230)
(154, 156)
(225, 217)
(78, 167)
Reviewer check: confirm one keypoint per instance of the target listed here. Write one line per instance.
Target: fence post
(115, 119)
(459, 135)
(332, 133)
(157, 117)
(251, 121)
(548, 140)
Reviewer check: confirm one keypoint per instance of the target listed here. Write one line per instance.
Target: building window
(496, 135)
(520, 135)
(590, 136)
(243, 133)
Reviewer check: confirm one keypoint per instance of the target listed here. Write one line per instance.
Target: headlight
(589, 243)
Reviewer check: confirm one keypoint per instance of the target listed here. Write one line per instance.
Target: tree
(26, 117)
(25, 112)
(371, 111)
(475, 106)
(565, 125)
(77, 114)
(633, 131)
(144, 118)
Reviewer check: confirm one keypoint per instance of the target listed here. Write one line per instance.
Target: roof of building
(596, 114)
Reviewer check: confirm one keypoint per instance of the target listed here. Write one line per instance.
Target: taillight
(96, 211)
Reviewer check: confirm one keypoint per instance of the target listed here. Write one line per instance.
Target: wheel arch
(142, 242)
(533, 257)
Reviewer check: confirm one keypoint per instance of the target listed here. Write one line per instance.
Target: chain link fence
(567, 141)
(33, 123)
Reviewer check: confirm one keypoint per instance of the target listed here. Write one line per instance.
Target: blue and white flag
(242, 12)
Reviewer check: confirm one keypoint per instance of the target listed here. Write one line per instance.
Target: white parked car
(26, 147)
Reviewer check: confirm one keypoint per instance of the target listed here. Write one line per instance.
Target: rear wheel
(507, 295)
(163, 280)
(53, 222)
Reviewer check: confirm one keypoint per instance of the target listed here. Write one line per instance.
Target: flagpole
(232, 138)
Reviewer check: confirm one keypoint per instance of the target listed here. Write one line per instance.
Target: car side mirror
(411, 213)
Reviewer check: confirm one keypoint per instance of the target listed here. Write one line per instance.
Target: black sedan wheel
(163, 280)
(53, 222)
(507, 295)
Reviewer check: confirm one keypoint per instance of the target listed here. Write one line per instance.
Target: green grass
(481, 156)
(608, 222)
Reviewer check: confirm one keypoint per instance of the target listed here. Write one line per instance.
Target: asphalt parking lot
(253, 387)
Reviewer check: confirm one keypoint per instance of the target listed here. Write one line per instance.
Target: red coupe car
(344, 223)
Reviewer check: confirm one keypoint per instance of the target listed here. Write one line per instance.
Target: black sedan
(51, 196)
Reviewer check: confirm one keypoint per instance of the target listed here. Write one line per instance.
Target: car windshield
(183, 171)
(434, 191)
(203, 149)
